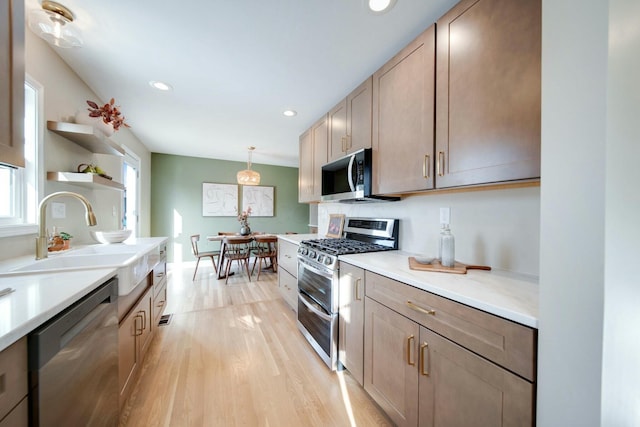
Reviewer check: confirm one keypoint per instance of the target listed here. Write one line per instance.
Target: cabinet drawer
(288, 257)
(159, 303)
(19, 417)
(288, 286)
(503, 342)
(13, 376)
(159, 277)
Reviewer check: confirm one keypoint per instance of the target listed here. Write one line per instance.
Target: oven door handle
(312, 306)
(315, 270)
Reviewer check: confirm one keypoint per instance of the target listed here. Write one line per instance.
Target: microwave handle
(350, 173)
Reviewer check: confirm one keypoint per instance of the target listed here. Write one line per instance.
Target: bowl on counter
(115, 236)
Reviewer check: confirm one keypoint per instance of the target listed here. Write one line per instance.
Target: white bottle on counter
(447, 247)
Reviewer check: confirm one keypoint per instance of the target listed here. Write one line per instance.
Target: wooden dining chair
(199, 255)
(266, 248)
(237, 248)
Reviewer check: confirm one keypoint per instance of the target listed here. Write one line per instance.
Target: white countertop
(508, 295)
(38, 297)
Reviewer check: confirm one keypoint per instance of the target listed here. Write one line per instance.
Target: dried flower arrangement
(243, 217)
(110, 113)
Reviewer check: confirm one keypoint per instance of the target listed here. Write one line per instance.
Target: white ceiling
(235, 65)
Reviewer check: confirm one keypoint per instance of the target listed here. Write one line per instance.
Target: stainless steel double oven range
(319, 279)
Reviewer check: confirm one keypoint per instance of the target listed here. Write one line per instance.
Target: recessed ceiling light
(380, 6)
(160, 85)
(289, 113)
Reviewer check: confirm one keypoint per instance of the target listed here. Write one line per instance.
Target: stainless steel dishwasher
(73, 364)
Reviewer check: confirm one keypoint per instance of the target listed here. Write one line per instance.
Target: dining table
(222, 239)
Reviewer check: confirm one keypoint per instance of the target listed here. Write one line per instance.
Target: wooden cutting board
(458, 267)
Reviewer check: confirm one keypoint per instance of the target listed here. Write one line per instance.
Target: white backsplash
(499, 228)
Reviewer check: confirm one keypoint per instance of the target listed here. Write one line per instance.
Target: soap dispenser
(446, 245)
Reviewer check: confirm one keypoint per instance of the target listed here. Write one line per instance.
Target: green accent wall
(176, 201)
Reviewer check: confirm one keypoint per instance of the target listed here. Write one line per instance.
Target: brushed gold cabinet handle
(420, 309)
(409, 341)
(423, 364)
(357, 284)
(440, 161)
(144, 320)
(425, 166)
(349, 143)
(343, 140)
(136, 331)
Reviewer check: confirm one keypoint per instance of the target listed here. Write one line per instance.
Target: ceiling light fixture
(54, 23)
(160, 85)
(247, 176)
(289, 113)
(380, 6)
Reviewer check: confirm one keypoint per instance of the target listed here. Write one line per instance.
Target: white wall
(499, 228)
(574, 77)
(64, 94)
(621, 343)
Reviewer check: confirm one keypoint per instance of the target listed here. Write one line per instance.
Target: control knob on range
(303, 251)
(312, 254)
(328, 260)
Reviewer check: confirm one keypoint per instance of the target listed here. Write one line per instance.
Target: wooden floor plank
(232, 356)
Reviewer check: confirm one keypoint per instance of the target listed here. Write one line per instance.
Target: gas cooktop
(361, 235)
(345, 246)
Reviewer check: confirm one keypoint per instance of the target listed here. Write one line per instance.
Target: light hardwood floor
(232, 356)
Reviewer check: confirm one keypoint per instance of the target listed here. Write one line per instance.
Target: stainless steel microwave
(349, 179)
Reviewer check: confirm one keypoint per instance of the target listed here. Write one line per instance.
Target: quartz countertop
(297, 238)
(508, 295)
(39, 296)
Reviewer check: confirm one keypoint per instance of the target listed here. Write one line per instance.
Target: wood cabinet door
(319, 137)
(12, 82)
(148, 328)
(403, 119)
(390, 362)
(128, 354)
(459, 388)
(351, 320)
(305, 170)
(337, 122)
(359, 110)
(488, 92)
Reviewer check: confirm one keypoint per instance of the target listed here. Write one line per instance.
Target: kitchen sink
(75, 262)
(132, 262)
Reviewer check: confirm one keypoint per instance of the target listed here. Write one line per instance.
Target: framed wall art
(219, 199)
(336, 222)
(259, 198)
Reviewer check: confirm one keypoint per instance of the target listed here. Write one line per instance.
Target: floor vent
(165, 319)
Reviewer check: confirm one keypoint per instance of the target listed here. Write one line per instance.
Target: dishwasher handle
(45, 342)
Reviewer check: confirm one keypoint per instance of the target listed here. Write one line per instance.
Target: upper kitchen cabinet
(403, 118)
(313, 154)
(488, 92)
(350, 122)
(12, 82)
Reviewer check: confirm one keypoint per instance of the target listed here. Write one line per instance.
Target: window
(131, 201)
(19, 186)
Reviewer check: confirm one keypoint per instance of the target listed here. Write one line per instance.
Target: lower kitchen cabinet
(459, 388)
(432, 362)
(288, 272)
(390, 363)
(13, 385)
(134, 336)
(351, 320)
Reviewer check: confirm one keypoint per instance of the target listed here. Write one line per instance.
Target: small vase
(245, 230)
(83, 118)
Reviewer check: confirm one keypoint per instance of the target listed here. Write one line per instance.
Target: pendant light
(247, 176)
(54, 23)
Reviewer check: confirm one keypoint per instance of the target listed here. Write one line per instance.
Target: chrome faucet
(41, 241)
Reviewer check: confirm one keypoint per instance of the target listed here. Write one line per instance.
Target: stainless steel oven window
(318, 285)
